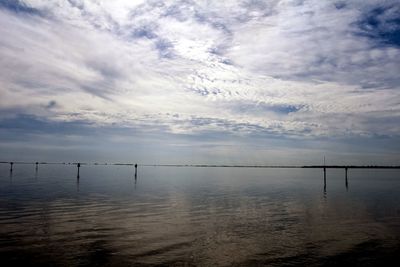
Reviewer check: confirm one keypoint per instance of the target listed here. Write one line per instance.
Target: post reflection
(77, 184)
(135, 181)
(346, 180)
(36, 171)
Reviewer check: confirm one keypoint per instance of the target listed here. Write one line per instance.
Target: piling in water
(79, 165)
(135, 171)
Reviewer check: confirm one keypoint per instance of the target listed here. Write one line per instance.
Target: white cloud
(240, 67)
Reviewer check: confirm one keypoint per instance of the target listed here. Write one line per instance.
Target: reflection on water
(114, 216)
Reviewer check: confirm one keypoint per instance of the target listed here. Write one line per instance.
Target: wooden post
(346, 181)
(37, 166)
(324, 179)
(79, 165)
(135, 171)
(11, 166)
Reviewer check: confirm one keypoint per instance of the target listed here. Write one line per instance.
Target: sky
(219, 82)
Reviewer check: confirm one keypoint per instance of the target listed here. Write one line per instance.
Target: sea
(198, 216)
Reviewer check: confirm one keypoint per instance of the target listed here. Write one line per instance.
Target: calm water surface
(197, 216)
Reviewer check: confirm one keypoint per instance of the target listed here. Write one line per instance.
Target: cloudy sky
(238, 81)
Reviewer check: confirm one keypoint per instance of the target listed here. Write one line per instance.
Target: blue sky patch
(18, 6)
(382, 24)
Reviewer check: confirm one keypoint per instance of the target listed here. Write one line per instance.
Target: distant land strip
(214, 165)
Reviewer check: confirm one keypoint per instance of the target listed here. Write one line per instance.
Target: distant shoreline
(214, 165)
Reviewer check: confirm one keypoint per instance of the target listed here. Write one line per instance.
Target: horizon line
(332, 166)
